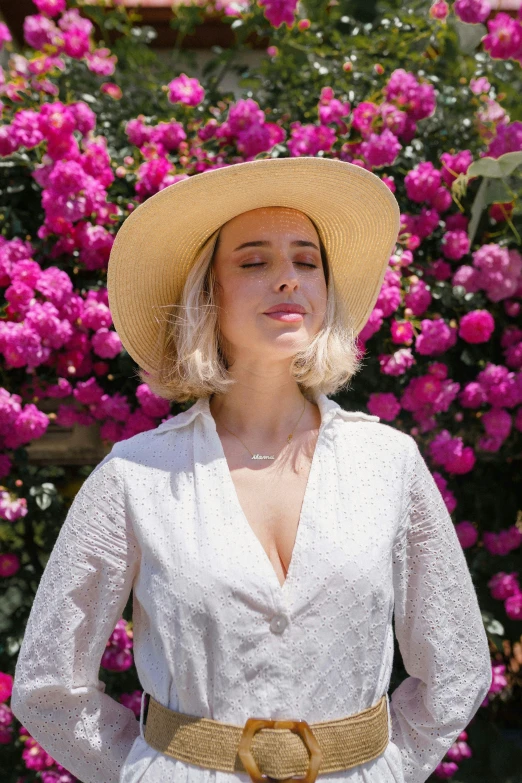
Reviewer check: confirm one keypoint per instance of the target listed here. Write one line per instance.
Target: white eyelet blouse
(215, 634)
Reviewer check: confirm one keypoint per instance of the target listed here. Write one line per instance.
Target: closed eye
(302, 263)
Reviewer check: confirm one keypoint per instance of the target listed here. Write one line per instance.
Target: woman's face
(269, 256)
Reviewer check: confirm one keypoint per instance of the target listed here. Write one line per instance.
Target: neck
(264, 405)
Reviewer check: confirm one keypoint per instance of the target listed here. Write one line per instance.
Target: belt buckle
(300, 727)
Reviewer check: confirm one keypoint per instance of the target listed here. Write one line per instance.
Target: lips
(286, 307)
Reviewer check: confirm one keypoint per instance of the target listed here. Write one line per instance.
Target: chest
(218, 532)
(271, 500)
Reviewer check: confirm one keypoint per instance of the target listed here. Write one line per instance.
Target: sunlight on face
(266, 257)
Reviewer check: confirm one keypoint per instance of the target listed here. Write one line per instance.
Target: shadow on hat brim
(356, 215)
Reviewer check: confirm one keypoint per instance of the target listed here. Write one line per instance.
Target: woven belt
(284, 749)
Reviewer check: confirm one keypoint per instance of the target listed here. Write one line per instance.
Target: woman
(268, 535)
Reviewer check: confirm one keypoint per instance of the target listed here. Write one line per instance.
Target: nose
(286, 275)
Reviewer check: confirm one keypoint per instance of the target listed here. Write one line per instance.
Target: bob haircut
(193, 363)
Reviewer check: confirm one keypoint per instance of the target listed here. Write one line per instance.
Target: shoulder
(372, 435)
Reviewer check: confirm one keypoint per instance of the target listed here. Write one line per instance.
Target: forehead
(267, 219)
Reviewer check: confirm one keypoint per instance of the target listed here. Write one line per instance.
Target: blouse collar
(327, 408)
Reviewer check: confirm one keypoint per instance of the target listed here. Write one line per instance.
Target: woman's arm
(439, 629)
(85, 586)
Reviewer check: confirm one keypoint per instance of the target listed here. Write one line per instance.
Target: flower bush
(94, 122)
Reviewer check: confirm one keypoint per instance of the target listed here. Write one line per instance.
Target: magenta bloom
(50, 7)
(9, 565)
(381, 149)
(185, 90)
(363, 116)
(40, 30)
(477, 326)
(451, 453)
(467, 534)
(415, 98)
(455, 244)
(497, 422)
(504, 39)
(402, 332)
(5, 35)
(513, 606)
(439, 10)
(503, 585)
(422, 182)
(397, 363)
(385, 405)
(418, 298)
(279, 11)
(453, 165)
(472, 11)
(310, 139)
(436, 337)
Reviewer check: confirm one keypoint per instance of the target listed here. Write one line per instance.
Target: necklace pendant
(262, 456)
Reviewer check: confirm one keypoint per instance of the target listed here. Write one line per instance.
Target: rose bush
(94, 122)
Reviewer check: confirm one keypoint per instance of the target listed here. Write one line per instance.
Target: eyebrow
(261, 243)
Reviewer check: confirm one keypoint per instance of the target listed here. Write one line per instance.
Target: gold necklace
(266, 456)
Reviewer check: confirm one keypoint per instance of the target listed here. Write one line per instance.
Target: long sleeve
(57, 694)
(438, 626)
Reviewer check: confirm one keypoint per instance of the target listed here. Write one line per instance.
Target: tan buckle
(299, 727)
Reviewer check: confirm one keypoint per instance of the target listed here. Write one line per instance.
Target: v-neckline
(232, 491)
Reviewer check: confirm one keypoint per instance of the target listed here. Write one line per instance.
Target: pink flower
(402, 332)
(508, 139)
(436, 337)
(513, 606)
(497, 423)
(310, 139)
(381, 149)
(451, 453)
(479, 86)
(6, 686)
(363, 116)
(182, 89)
(472, 11)
(455, 244)
(418, 298)
(330, 109)
(467, 534)
(503, 585)
(5, 35)
(50, 7)
(477, 326)
(422, 182)
(106, 343)
(453, 165)
(445, 770)
(439, 10)
(9, 565)
(473, 395)
(412, 96)
(101, 62)
(397, 363)
(151, 404)
(279, 11)
(111, 89)
(385, 405)
(504, 39)
(40, 30)
(12, 509)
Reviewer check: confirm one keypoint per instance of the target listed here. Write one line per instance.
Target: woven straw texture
(357, 216)
(279, 753)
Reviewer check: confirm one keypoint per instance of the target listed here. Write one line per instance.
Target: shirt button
(278, 623)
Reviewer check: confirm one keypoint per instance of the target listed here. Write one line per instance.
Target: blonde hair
(193, 363)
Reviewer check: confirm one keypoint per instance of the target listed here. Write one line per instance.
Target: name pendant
(262, 456)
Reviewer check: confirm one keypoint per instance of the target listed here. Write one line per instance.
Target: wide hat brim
(356, 215)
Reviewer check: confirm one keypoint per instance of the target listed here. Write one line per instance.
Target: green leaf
(495, 167)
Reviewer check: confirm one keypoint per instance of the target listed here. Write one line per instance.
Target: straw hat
(356, 214)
